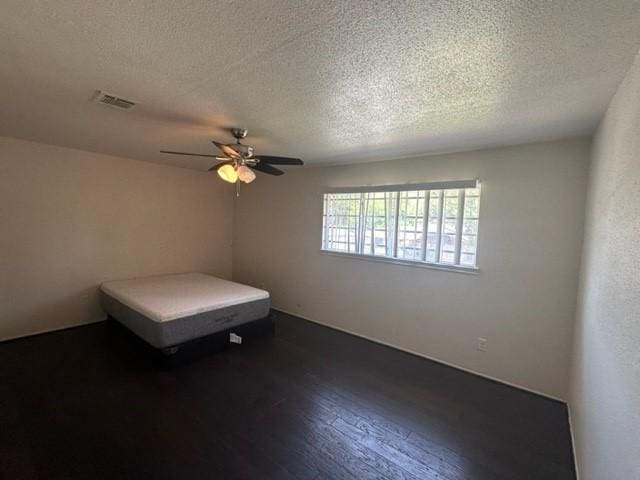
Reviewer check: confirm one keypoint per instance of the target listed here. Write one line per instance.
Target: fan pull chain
(237, 188)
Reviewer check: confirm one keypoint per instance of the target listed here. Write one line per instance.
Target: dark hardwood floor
(307, 402)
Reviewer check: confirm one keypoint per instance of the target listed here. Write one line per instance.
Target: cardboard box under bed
(170, 310)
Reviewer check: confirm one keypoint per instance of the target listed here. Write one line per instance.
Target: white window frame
(460, 185)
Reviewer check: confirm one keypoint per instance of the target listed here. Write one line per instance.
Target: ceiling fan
(237, 160)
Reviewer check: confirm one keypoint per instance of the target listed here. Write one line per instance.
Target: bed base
(195, 349)
(219, 340)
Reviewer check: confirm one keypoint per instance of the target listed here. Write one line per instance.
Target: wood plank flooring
(307, 402)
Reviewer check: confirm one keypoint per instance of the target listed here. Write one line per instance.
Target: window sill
(407, 263)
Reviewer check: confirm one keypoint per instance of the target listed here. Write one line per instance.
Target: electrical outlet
(481, 344)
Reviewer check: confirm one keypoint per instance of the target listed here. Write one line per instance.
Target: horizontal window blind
(404, 187)
(435, 225)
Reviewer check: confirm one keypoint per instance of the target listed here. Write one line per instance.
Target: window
(427, 225)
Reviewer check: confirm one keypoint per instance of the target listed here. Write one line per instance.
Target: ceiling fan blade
(279, 160)
(218, 165)
(226, 149)
(190, 154)
(266, 168)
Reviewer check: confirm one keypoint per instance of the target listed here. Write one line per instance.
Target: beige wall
(605, 380)
(71, 219)
(523, 300)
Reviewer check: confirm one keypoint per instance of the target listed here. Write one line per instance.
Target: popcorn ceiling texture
(605, 377)
(328, 81)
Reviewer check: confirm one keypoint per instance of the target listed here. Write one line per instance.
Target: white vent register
(113, 101)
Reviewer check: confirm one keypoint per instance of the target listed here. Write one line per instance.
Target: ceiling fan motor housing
(245, 151)
(239, 133)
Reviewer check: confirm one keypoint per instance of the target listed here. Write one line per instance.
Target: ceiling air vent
(114, 100)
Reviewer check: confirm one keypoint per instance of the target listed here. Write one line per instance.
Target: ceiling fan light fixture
(245, 174)
(237, 162)
(228, 173)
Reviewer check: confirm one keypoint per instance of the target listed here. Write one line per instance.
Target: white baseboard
(573, 443)
(418, 354)
(50, 330)
(344, 330)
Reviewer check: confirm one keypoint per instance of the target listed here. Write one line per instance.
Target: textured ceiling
(326, 81)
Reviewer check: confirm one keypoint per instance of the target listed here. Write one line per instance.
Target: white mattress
(168, 297)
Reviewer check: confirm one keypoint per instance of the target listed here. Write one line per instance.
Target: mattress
(168, 310)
